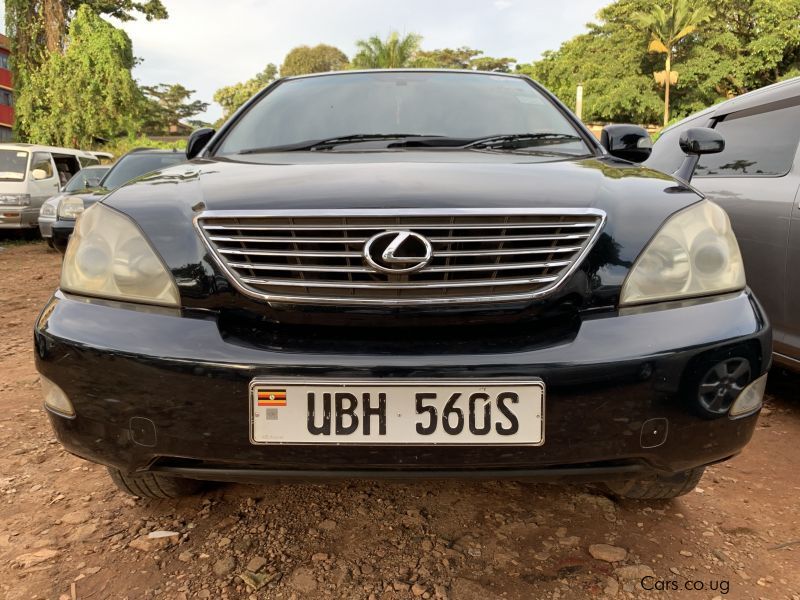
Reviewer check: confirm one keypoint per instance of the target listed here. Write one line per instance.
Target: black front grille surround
(478, 256)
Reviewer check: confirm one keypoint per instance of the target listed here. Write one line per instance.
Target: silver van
(756, 179)
(29, 175)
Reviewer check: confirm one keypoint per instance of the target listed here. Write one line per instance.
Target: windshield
(88, 177)
(13, 164)
(134, 165)
(466, 106)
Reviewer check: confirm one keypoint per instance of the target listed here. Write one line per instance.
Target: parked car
(135, 163)
(405, 273)
(85, 180)
(29, 175)
(756, 179)
(105, 158)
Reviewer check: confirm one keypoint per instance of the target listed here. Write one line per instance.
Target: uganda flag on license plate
(272, 397)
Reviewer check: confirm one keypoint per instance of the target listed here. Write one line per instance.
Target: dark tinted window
(760, 145)
(134, 165)
(88, 177)
(457, 105)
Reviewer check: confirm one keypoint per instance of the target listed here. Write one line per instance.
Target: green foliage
(460, 58)
(85, 93)
(392, 53)
(751, 43)
(446, 58)
(122, 9)
(233, 96)
(38, 29)
(669, 25)
(319, 59)
(166, 105)
(122, 145)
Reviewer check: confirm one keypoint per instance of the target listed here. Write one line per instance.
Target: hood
(636, 200)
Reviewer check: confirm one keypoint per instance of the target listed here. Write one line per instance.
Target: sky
(207, 44)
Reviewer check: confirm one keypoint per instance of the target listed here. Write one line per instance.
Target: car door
(789, 345)
(753, 180)
(42, 189)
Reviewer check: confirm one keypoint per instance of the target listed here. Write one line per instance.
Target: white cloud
(502, 4)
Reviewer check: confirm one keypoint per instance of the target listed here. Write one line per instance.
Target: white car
(29, 175)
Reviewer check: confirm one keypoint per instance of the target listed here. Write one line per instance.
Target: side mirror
(197, 141)
(695, 142)
(628, 142)
(39, 174)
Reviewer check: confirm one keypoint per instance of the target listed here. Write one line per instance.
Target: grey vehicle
(756, 179)
(86, 179)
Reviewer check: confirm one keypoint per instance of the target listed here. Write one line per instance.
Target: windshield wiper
(328, 143)
(521, 140)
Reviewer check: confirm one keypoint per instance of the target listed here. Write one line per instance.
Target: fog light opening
(55, 399)
(751, 398)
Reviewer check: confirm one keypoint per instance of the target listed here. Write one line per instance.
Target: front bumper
(46, 226)
(61, 231)
(157, 390)
(18, 217)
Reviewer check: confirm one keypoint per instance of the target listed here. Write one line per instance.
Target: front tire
(153, 485)
(660, 488)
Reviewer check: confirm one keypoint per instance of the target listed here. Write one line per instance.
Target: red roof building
(6, 91)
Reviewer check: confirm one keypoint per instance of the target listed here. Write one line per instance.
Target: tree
(490, 63)
(392, 53)
(755, 44)
(319, 59)
(38, 28)
(446, 58)
(667, 28)
(233, 96)
(460, 58)
(167, 105)
(87, 92)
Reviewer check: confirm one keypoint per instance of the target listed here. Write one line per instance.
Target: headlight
(15, 199)
(694, 254)
(108, 256)
(48, 210)
(70, 207)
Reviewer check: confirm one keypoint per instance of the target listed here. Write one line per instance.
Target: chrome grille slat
(399, 286)
(511, 238)
(278, 227)
(479, 256)
(290, 253)
(287, 239)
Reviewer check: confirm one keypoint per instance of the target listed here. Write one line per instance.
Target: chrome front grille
(317, 257)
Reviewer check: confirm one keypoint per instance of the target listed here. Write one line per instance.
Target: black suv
(406, 273)
(134, 164)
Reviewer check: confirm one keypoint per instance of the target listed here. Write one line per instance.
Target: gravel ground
(66, 533)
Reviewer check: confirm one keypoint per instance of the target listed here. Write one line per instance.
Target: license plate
(397, 412)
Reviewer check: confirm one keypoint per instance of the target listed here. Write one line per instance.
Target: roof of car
(777, 93)
(152, 151)
(407, 70)
(42, 148)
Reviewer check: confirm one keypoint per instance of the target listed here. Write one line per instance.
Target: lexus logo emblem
(397, 252)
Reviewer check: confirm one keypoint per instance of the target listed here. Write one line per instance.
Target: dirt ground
(66, 532)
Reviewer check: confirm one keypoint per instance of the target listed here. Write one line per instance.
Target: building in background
(6, 91)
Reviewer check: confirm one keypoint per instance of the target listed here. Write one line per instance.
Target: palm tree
(667, 28)
(392, 53)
